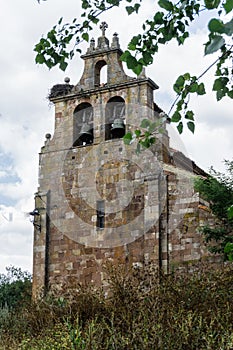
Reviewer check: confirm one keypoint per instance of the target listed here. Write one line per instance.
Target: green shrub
(143, 310)
(15, 287)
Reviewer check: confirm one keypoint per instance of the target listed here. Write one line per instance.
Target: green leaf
(165, 4)
(158, 18)
(137, 133)
(145, 123)
(63, 65)
(180, 81)
(85, 4)
(220, 94)
(216, 26)
(191, 126)
(179, 84)
(193, 87)
(137, 69)
(147, 58)
(49, 63)
(228, 249)
(186, 76)
(176, 117)
(127, 138)
(129, 9)
(152, 140)
(228, 6)
(85, 36)
(201, 89)
(211, 4)
(125, 56)
(134, 42)
(230, 93)
(152, 127)
(189, 115)
(40, 58)
(180, 127)
(136, 7)
(230, 212)
(220, 83)
(215, 43)
(131, 62)
(228, 28)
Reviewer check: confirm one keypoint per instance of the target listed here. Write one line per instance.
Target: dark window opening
(83, 125)
(100, 211)
(115, 118)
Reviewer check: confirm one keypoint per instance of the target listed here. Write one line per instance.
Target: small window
(100, 211)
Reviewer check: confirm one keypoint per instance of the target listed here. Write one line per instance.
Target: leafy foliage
(15, 287)
(144, 310)
(217, 189)
(171, 22)
(145, 136)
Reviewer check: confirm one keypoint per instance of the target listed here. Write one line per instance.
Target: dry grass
(143, 310)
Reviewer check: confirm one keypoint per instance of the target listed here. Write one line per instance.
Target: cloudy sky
(26, 116)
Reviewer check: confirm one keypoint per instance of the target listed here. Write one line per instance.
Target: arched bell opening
(100, 73)
(83, 125)
(115, 118)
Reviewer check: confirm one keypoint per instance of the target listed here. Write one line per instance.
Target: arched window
(83, 125)
(100, 72)
(115, 118)
(103, 75)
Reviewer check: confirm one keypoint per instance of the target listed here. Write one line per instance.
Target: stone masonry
(98, 200)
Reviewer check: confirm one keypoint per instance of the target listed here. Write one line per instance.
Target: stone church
(101, 200)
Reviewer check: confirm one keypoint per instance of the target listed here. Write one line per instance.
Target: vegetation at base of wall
(143, 310)
(217, 189)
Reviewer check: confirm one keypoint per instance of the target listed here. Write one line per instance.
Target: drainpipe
(47, 241)
(163, 223)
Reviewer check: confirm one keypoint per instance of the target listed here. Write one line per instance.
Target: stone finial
(142, 75)
(115, 41)
(103, 42)
(92, 45)
(103, 27)
(47, 139)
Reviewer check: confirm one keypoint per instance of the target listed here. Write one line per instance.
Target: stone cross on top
(103, 27)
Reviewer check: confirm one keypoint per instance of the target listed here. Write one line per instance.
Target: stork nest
(60, 90)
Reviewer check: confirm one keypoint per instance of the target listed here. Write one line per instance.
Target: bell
(118, 129)
(85, 135)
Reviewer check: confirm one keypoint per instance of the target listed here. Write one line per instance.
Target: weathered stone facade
(98, 200)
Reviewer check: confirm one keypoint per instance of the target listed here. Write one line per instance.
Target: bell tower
(98, 199)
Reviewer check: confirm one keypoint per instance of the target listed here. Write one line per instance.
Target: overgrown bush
(217, 189)
(143, 310)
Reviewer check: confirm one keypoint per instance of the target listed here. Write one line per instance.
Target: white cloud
(16, 240)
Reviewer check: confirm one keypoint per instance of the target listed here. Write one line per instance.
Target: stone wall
(151, 212)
